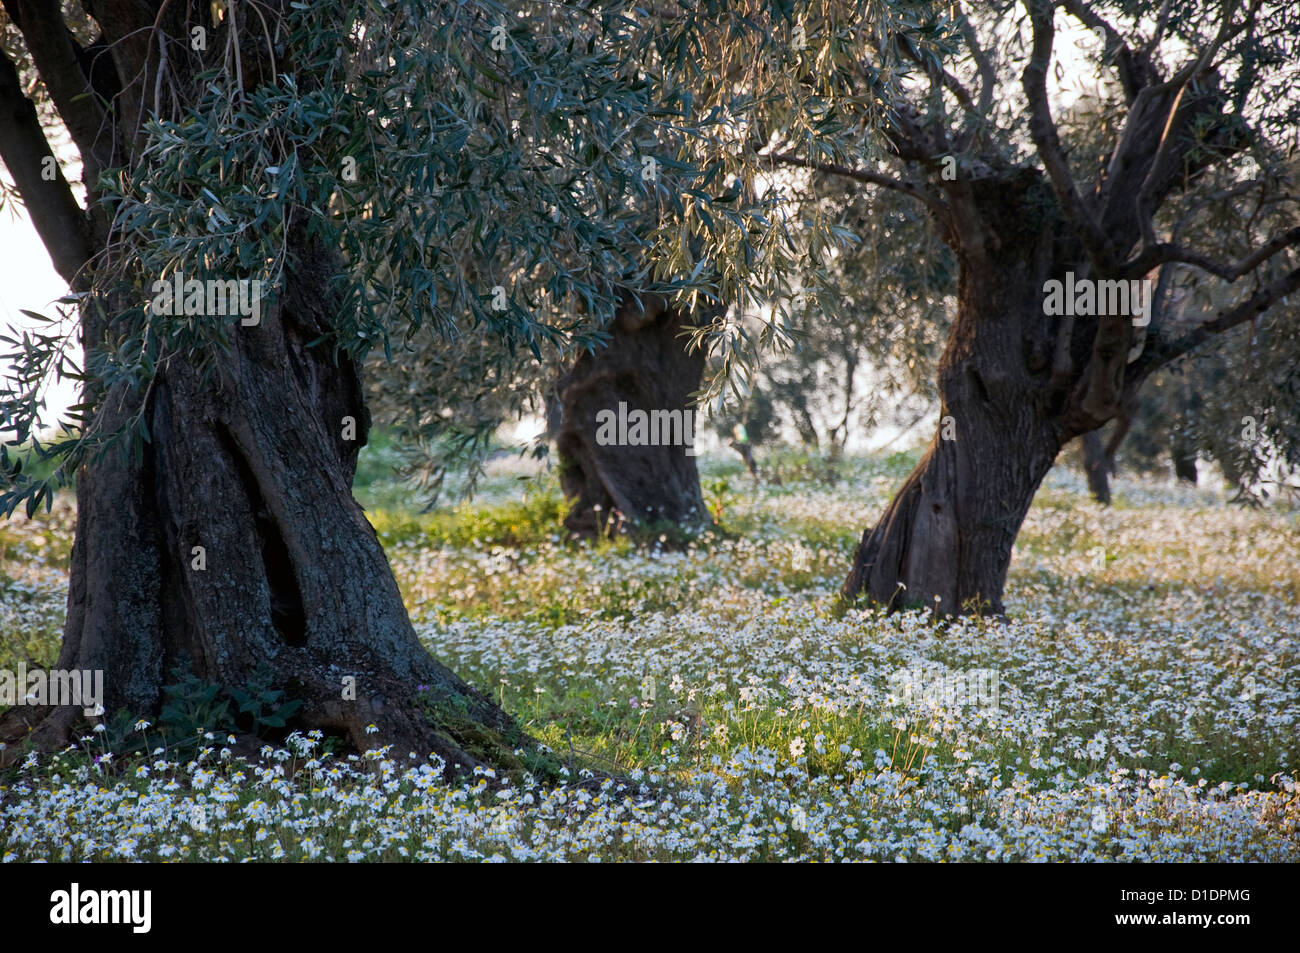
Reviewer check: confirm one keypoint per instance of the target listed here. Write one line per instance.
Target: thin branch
(1226, 33)
(862, 175)
(1135, 69)
(940, 76)
(1160, 298)
(54, 53)
(1232, 192)
(1090, 18)
(908, 139)
(1182, 80)
(1162, 352)
(1162, 21)
(1162, 252)
(983, 65)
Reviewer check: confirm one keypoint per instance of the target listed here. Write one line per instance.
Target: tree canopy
(493, 172)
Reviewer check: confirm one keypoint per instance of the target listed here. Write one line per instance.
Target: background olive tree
(1205, 129)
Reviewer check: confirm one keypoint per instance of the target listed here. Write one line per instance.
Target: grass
(528, 522)
(1148, 693)
(34, 558)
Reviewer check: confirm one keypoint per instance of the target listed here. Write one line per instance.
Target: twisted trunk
(945, 540)
(1017, 379)
(233, 548)
(229, 545)
(608, 465)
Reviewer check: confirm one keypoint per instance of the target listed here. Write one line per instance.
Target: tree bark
(1184, 456)
(252, 468)
(945, 540)
(645, 368)
(229, 545)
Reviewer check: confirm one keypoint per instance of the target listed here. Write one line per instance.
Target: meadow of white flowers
(1141, 704)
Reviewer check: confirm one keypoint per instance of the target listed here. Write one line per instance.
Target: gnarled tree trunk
(230, 545)
(645, 369)
(945, 540)
(1016, 380)
(233, 548)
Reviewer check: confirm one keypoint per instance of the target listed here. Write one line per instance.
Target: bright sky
(28, 281)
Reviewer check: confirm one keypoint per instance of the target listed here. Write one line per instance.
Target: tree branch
(1042, 129)
(54, 52)
(58, 219)
(1135, 69)
(1182, 79)
(862, 175)
(1226, 32)
(940, 76)
(978, 114)
(1164, 351)
(1162, 21)
(1162, 252)
(983, 65)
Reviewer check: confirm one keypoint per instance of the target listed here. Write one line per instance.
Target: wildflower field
(709, 699)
